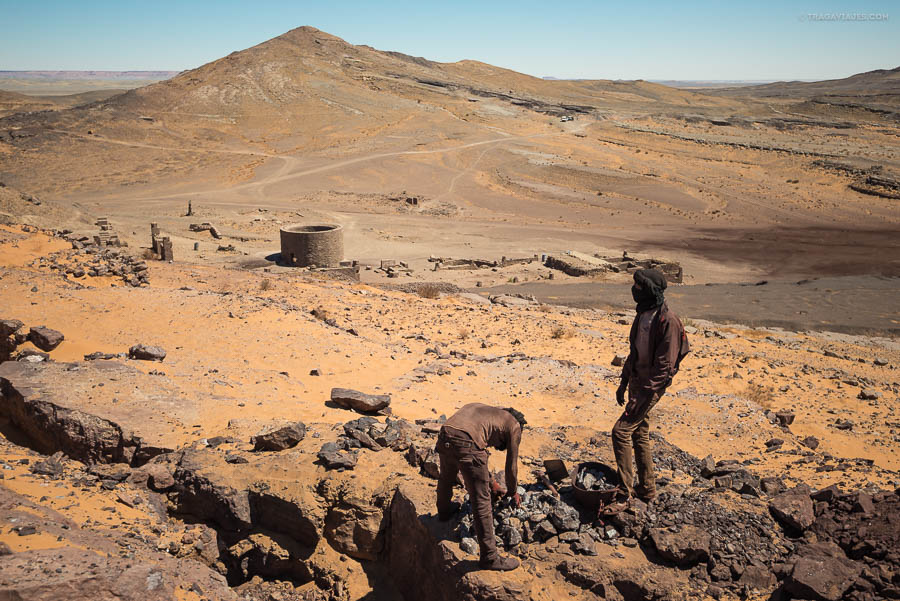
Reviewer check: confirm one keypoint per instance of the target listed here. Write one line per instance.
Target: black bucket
(594, 499)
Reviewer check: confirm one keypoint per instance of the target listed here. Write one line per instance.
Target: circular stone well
(303, 245)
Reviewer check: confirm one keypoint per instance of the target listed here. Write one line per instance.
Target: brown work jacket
(491, 427)
(650, 366)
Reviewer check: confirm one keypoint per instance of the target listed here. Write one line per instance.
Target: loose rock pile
(89, 259)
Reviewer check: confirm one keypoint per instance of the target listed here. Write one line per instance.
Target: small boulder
(279, 439)
(143, 352)
(44, 338)
(9, 327)
(334, 459)
(810, 442)
(785, 417)
(793, 509)
(564, 518)
(687, 547)
(159, 477)
(823, 573)
(359, 401)
(869, 394)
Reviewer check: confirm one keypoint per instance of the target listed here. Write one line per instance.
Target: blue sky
(757, 40)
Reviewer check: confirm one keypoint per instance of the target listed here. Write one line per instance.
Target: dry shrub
(764, 396)
(544, 308)
(266, 284)
(562, 333)
(320, 313)
(428, 291)
(464, 334)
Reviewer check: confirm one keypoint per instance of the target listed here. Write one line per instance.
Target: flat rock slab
(45, 338)
(359, 401)
(97, 412)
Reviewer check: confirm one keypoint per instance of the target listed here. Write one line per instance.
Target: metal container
(594, 499)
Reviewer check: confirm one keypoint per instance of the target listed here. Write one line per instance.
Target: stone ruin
(205, 227)
(107, 236)
(472, 264)
(160, 246)
(578, 264)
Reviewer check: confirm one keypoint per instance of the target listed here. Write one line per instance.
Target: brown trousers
(633, 432)
(459, 455)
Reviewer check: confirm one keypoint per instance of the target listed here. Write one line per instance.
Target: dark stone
(785, 417)
(337, 460)
(359, 401)
(810, 442)
(9, 327)
(280, 439)
(51, 466)
(793, 509)
(44, 338)
(771, 485)
(869, 394)
(822, 573)
(759, 578)
(564, 518)
(863, 503)
(826, 494)
(144, 352)
(159, 477)
(687, 547)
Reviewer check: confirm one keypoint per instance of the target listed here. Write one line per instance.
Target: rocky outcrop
(87, 564)
(51, 427)
(79, 574)
(432, 567)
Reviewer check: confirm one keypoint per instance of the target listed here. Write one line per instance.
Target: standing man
(657, 345)
(462, 447)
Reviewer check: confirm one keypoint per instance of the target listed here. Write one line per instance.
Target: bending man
(462, 448)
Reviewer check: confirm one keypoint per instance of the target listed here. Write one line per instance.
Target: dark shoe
(448, 515)
(500, 564)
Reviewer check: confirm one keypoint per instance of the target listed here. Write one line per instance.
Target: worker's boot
(499, 564)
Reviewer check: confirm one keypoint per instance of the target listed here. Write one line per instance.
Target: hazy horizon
(697, 41)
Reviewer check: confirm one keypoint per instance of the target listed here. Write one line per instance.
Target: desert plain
(131, 475)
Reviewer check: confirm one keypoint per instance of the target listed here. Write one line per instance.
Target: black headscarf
(647, 290)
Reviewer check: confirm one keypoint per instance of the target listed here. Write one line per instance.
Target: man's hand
(620, 392)
(496, 491)
(515, 500)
